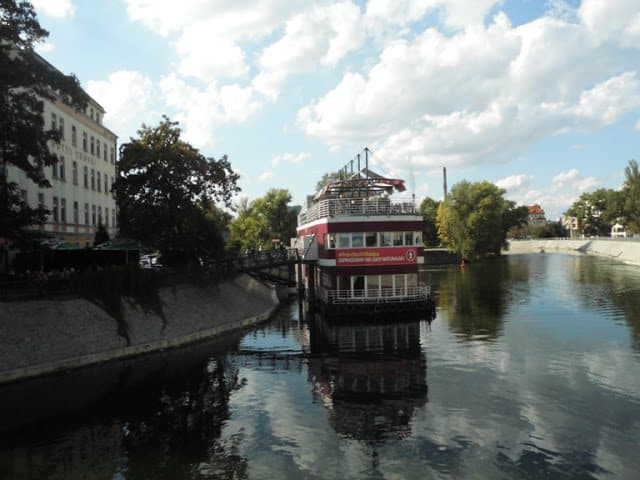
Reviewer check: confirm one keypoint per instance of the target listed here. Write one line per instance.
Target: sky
(541, 97)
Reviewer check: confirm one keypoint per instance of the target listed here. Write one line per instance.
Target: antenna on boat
(412, 181)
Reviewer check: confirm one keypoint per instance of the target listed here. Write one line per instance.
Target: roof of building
(535, 210)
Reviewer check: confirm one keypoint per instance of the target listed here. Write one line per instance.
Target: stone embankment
(624, 250)
(43, 336)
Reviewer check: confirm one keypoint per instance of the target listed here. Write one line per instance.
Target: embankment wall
(48, 335)
(624, 250)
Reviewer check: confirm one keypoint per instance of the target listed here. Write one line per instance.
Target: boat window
(418, 238)
(397, 238)
(412, 279)
(371, 239)
(330, 242)
(399, 284)
(386, 284)
(373, 283)
(344, 240)
(357, 240)
(385, 239)
(357, 284)
(408, 238)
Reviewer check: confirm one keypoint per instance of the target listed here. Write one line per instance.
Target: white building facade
(80, 197)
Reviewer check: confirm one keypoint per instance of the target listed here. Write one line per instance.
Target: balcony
(384, 295)
(356, 207)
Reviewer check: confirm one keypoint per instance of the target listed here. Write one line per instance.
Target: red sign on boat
(358, 257)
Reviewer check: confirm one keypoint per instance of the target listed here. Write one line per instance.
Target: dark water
(531, 369)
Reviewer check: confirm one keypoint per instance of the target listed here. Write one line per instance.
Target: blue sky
(540, 97)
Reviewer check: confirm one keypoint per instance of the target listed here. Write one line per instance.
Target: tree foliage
(25, 80)
(429, 212)
(264, 219)
(597, 211)
(166, 189)
(474, 218)
(631, 197)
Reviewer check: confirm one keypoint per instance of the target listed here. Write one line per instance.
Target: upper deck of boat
(356, 207)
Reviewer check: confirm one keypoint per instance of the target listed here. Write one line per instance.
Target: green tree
(429, 211)
(265, 219)
(631, 193)
(165, 191)
(595, 212)
(25, 80)
(474, 218)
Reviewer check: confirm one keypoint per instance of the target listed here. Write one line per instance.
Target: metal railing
(348, 207)
(383, 295)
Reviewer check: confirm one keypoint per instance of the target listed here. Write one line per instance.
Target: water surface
(530, 370)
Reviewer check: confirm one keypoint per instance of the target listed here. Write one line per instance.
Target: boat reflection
(370, 377)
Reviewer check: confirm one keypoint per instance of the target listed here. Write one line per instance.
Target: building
(536, 216)
(80, 196)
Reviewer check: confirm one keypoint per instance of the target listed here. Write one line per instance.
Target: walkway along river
(528, 371)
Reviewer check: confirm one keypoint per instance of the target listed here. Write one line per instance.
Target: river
(531, 369)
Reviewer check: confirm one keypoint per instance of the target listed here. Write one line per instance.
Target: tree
(595, 212)
(165, 189)
(265, 219)
(474, 218)
(25, 80)
(631, 192)
(429, 211)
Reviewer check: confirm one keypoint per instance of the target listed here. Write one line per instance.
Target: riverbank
(44, 336)
(623, 250)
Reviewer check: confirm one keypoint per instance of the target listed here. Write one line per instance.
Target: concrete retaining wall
(43, 336)
(624, 250)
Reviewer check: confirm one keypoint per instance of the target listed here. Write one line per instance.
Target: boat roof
(364, 183)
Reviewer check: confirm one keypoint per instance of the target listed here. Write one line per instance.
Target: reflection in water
(614, 290)
(476, 298)
(370, 377)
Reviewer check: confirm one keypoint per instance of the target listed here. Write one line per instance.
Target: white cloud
(480, 95)
(264, 176)
(54, 8)
(514, 182)
(454, 13)
(209, 60)
(565, 177)
(127, 98)
(290, 157)
(202, 109)
(638, 125)
(323, 35)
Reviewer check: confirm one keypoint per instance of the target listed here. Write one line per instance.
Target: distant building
(536, 216)
(80, 197)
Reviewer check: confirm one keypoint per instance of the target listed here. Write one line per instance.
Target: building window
(99, 182)
(54, 210)
(113, 156)
(76, 213)
(63, 210)
(93, 179)
(41, 200)
(93, 215)
(106, 216)
(98, 147)
(99, 215)
(93, 145)
(104, 152)
(86, 214)
(113, 217)
(86, 177)
(74, 136)
(54, 170)
(74, 172)
(106, 184)
(61, 170)
(91, 113)
(61, 128)
(84, 141)
(54, 121)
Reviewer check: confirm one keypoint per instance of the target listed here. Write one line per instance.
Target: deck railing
(356, 207)
(383, 295)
